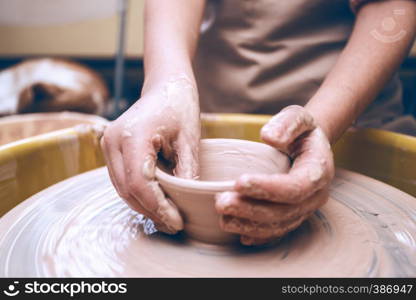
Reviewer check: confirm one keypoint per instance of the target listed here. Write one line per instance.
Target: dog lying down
(41, 85)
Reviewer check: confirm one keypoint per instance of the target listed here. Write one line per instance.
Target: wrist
(173, 89)
(158, 78)
(162, 67)
(322, 122)
(333, 108)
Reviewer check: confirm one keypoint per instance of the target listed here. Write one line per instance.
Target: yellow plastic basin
(13, 128)
(30, 165)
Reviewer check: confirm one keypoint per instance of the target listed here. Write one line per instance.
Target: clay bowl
(222, 161)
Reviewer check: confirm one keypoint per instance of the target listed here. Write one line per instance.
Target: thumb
(287, 126)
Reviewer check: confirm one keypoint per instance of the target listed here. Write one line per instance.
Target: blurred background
(89, 32)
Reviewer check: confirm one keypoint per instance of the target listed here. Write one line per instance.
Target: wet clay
(222, 161)
(80, 227)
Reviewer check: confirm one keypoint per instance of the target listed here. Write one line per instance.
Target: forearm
(363, 68)
(171, 35)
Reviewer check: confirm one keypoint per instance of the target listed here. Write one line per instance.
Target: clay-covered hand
(165, 121)
(264, 207)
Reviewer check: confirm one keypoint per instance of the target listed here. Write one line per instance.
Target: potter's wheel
(80, 227)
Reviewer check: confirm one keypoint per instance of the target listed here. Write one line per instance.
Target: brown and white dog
(40, 85)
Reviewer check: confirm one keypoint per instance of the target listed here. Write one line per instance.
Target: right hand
(165, 120)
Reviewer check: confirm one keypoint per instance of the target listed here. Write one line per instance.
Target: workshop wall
(67, 28)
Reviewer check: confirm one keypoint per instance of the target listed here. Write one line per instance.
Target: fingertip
(253, 241)
(157, 142)
(243, 183)
(102, 143)
(223, 201)
(286, 126)
(248, 183)
(161, 209)
(272, 136)
(265, 133)
(166, 229)
(257, 186)
(246, 240)
(169, 215)
(105, 148)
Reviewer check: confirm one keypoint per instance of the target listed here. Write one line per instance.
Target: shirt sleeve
(357, 4)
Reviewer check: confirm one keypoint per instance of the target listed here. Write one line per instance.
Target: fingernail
(223, 199)
(273, 129)
(265, 131)
(170, 218)
(252, 241)
(246, 185)
(164, 228)
(126, 134)
(245, 182)
(247, 241)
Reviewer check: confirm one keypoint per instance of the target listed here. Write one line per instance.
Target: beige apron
(259, 56)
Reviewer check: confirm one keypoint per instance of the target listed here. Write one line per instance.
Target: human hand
(164, 121)
(264, 207)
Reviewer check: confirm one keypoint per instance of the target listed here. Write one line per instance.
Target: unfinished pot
(221, 161)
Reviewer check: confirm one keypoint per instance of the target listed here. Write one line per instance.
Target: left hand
(264, 207)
